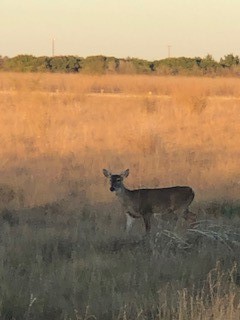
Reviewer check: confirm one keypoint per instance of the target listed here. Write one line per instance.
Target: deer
(143, 203)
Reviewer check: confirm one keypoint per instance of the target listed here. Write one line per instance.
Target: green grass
(57, 263)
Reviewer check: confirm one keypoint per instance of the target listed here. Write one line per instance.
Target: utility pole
(53, 47)
(169, 51)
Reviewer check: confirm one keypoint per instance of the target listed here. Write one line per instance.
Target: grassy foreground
(64, 253)
(58, 263)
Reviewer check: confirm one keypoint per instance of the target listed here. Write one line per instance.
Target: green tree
(74, 64)
(126, 66)
(112, 65)
(1, 62)
(63, 64)
(58, 64)
(209, 65)
(94, 64)
(174, 66)
(21, 63)
(229, 61)
(141, 66)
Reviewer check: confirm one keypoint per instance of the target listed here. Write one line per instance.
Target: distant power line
(53, 47)
(169, 51)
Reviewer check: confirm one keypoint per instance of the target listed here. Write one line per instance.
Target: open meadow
(64, 252)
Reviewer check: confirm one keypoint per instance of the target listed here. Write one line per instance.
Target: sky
(120, 28)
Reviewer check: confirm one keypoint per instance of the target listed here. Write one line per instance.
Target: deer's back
(161, 199)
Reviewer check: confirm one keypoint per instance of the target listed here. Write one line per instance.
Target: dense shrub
(102, 65)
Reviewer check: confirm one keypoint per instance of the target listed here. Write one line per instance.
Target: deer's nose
(112, 189)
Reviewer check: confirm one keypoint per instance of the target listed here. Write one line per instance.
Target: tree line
(229, 64)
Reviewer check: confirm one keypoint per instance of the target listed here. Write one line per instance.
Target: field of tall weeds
(63, 249)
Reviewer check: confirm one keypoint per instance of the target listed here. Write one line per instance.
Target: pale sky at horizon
(120, 28)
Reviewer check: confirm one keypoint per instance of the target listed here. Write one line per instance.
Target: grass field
(63, 249)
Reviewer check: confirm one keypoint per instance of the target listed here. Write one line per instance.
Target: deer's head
(116, 180)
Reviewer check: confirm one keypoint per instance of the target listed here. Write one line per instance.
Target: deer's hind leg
(147, 222)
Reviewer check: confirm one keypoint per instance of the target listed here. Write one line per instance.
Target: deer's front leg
(129, 222)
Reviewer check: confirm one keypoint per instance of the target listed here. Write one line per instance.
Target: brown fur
(144, 202)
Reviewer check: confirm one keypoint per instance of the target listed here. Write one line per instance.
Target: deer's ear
(125, 173)
(107, 173)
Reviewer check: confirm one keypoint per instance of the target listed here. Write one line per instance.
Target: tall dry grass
(134, 84)
(58, 131)
(58, 262)
(70, 258)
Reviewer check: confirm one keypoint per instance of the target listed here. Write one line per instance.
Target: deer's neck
(122, 192)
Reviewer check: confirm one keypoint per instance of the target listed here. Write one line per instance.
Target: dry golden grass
(168, 131)
(71, 259)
